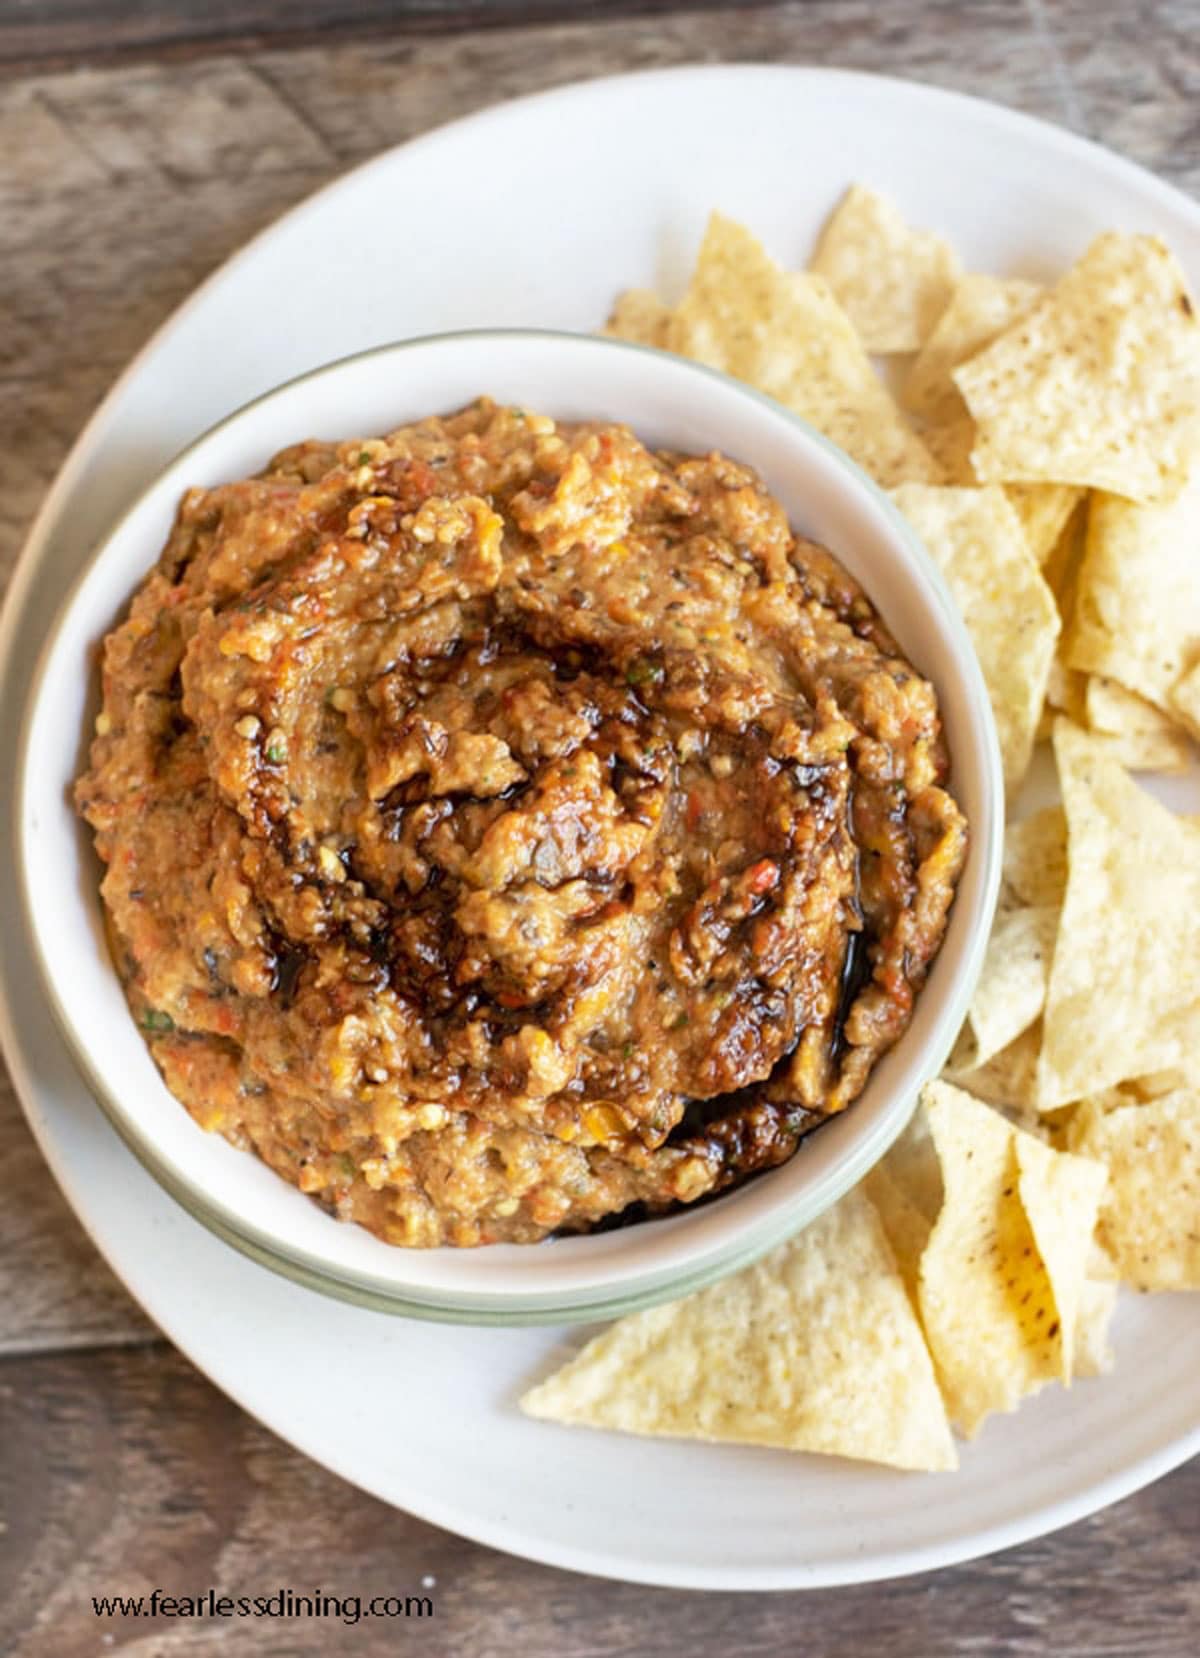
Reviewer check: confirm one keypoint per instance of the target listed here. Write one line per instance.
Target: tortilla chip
(1137, 606)
(1066, 687)
(913, 1163)
(1061, 566)
(1061, 1197)
(1112, 711)
(1011, 991)
(1166, 753)
(786, 334)
(1155, 1084)
(1035, 857)
(906, 1224)
(1093, 1355)
(998, 1313)
(951, 447)
(1045, 511)
(906, 1188)
(1184, 698)
(1150, 1220)
(893, 282)
(1098, 383)
(1124, 993)
(980, 309)
(1008, 1080)
(1010, 612)
(814, 1348)
(1066, 692)
(640, 316)
(1101, 1268)
(1140, 736)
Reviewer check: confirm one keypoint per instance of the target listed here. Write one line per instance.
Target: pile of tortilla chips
(1045, 443)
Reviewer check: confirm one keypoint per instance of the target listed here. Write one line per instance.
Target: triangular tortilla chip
(1009, 1078)
(986, 1301)
(1140, 736)
(1000, 1282)
(1009, 611)
(1065, 693)
(906, 1189)
(1137, 597)
(1061, 1196)
(980, 309)
(814, 1348)
(1099, 382)
(1045, 511)
(1101, 1268)
(1154, 1084)
(892, 281)
(1035, 857)
(1184, 698)
(907, 1226)
(1061, 565)
(1093, 1355)
(640, 316)
(1011, 991)
(913, 1160)
(1150, 1220)
(1124, 993)
(951, 446)
(785, 333)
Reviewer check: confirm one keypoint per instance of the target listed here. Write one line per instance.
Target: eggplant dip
(507, 827)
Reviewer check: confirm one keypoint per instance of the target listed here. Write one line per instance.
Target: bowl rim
(757, 1234)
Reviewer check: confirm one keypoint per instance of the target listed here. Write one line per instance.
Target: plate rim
(1038, 1521)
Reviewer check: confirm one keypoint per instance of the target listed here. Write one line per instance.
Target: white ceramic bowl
(668, 402)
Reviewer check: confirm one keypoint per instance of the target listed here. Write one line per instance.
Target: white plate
(536, 213)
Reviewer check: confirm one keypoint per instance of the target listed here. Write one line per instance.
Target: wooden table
(139, 145)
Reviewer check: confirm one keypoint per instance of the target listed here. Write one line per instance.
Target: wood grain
(57, 1292)
(122, 183)
(133, 1473)
(1143, 102)
(62, 32)
(121, 188)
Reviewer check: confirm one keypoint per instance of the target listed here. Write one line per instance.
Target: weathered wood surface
(124, 179)
(123, 1471)
(57, 32)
